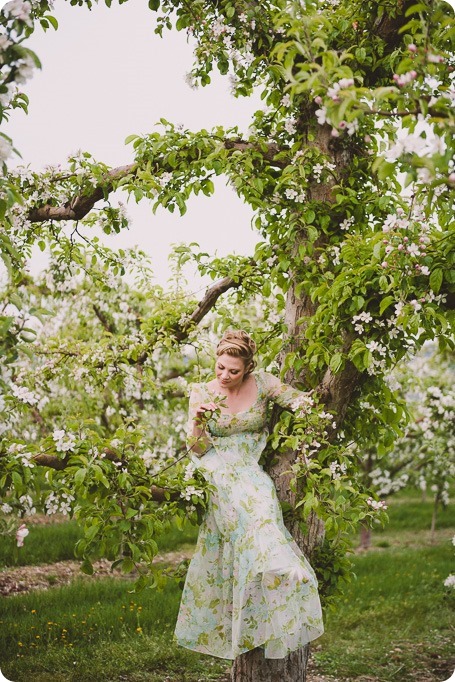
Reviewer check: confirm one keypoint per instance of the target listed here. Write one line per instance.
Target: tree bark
(365, 537)
(253, 667)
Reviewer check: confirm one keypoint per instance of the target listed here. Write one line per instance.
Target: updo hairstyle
(238, 344)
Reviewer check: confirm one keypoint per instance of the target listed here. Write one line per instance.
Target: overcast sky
(105, 75)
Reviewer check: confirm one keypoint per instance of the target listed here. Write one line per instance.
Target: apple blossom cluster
(337, 470)
(376, 504)
(63, 441)
(217, 38)
(191, 490)
(18, 450)
(302, 405)
(404, 78)
(423, 141)
(386, 484)
(17, 63)
(21, 534)
(27, 504)
(58, 503)
(295, 195)
(323, 169)
(24, 395)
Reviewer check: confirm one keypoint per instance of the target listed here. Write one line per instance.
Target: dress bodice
(246, 429)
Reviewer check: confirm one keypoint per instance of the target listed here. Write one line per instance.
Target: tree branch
(206, 304)
(81, 204)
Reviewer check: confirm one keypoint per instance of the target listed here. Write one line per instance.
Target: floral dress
(248, 584)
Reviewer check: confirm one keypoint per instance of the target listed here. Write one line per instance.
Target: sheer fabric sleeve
(197, 397)
(284, 395)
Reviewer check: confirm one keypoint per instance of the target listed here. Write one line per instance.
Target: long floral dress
(248, 584)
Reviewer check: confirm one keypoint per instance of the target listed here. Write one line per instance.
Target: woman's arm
(199, 411)
(284, 395)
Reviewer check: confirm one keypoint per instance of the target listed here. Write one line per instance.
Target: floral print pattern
(248, 584)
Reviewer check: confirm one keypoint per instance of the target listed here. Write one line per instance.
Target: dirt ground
(27, 578)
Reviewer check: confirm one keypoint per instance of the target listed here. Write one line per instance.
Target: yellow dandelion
(138, 629)
(33, 611)
(20, 644)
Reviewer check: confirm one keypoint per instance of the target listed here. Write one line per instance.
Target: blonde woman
(248, 584)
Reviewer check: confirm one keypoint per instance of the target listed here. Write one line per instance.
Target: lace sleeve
(197, 397)
(282, 394)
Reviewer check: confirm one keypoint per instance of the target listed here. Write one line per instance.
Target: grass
(394, 620)
(53, 542)
(97, 631)
(45, 544)
(393, 623)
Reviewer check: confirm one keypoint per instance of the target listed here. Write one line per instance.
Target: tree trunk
(253, 667)
(337, 390)
(365, 537)
(433, 517)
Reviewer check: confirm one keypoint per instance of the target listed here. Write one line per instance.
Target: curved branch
(81, 204)
(206, 304)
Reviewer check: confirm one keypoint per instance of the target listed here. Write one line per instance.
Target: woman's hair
(238, 344)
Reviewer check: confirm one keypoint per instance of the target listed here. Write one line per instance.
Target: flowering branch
(81, 204)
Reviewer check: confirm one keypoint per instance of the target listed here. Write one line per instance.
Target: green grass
(394, 619)
(408, 512)
(99, 631)
(46, 544)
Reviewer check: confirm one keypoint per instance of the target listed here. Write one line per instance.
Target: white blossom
(376, 504)
(25, 70)
(21, 533)
(63, 441)
(19, 9)
(290, 125)
(189, 491)
(24, 394)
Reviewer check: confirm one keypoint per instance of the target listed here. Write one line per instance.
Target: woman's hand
(204, 412)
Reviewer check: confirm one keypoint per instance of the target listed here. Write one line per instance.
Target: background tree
(350, 172)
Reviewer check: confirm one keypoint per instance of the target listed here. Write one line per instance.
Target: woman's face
(229, 370)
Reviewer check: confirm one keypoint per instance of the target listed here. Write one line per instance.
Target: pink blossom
(384, 264)
(318, 99)
(21, 533)
(404, 78)
(452, 177)
(435, 58)
(412, 47)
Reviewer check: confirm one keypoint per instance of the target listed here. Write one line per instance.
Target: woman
(248, 584)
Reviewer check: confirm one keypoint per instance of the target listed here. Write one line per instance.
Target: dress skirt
(248, 584)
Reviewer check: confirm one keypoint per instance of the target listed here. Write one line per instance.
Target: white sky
(106, 75)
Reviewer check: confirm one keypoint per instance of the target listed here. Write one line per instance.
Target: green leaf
(127, 565)
(79, 476)
(336, 362)
(436, 280)
(87, 567)
(154, 5)
(385, 303)
(131, 138)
